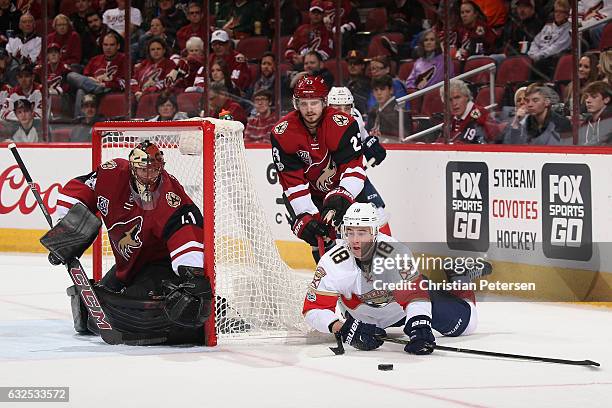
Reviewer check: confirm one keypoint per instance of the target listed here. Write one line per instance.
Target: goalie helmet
(340, 95)
(361, 215)
(146, 165)
(310, 87)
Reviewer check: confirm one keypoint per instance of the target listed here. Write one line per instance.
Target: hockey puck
(385, 367)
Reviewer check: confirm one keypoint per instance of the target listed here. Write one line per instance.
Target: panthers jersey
(167, 229)
(379, 293)
(310, 166)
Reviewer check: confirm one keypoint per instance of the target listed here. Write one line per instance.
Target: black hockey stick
(495, 354)
(75, 269)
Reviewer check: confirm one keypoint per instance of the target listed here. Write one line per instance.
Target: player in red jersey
(318, 154)
(155, 232)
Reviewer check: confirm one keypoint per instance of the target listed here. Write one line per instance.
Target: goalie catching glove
(335, 204)
(422, 340)
(188, 303)
(362, 336)
(308, 227)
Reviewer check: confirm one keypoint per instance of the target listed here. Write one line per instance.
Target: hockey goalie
(157, 289)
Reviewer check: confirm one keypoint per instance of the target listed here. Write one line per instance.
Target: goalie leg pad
(73, 234)
(79, 311)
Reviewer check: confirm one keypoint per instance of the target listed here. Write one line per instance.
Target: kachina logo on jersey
(566, 211)
(467, 206)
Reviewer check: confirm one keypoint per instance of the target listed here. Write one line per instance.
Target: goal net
(257, 294)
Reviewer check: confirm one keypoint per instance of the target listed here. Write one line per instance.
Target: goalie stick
(80, 279)
(495, 354)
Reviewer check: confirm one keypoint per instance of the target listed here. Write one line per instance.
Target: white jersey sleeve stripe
(192, 244)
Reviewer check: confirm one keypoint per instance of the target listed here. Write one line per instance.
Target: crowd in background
(389, 49)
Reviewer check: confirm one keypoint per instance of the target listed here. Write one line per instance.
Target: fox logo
(125, 236)
(324, 182)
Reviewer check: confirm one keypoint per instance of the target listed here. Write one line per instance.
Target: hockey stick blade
(501, 355)
(339, 349)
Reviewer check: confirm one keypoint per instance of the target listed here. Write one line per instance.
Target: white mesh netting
(258, 295)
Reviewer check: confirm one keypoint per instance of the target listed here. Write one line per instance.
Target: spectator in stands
(519, 108)
(495, 12)
(524, 25)
(156, 73)
(26, 89)
(241, 16)
(85, 121)
(27, 129)
(590, 13)
(259, 125)
(470, 123)
(79, 17)
(103, 74)
(605, 66)
(429, 67)
(357, 82)
(267, 70)
(312, 36)
(349, 21)
(597, 127)
(156, 30)
(406, 17)
(313, 65)
(167, 108)
(115, 19)
(195, 28)
(541, 125)
(172, 16)
(220, 99)
(25, 46)
(473, 36)
(195, 62)
(236, 62)
(290, 18)
(383, 118)
(57, 71)
(587, 73)
(91, 40)
(379, 67)
(9, 20)
(8, 69)
(68, 39)
(219, 74)
(551, 41)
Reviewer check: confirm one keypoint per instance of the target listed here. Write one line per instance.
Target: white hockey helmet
(361, 215)
(340, 95)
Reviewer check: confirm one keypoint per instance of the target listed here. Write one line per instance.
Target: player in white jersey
(378, 294)
(341, 98)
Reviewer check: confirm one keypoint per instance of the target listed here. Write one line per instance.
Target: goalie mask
(359, 229)
(146, 165)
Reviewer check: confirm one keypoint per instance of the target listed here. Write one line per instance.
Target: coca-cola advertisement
(50, 168)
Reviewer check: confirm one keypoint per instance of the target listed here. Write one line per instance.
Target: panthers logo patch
(281, 127)
(109, 165)
(173, 199)
(475, 114)
(340, 120)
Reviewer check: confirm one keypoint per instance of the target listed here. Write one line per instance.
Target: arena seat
(146, 106)
(405, 69)
(376, 47)
(482, 98)
(563, 70)
(432, 103)
(606, 38)
(113, 105)
(253, 47)
(190, 102)
(473, 63)
(330, 64)
(514, 70)
(376, 21)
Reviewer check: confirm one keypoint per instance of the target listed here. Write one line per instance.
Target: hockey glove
(422, 340)
(307, 227)
(335, 204)
(361, 335)
(374, 150)
(188, 304)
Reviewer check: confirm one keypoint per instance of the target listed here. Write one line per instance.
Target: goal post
(256, 295)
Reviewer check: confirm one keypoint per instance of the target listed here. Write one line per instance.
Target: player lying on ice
(157, 288)
(351, 272)
(319, 157)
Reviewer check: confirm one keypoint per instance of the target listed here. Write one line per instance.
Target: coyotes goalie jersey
(310, 166)
(170, 231)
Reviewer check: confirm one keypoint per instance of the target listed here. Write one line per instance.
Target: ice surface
(38, 347)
